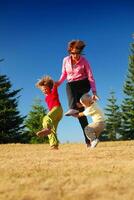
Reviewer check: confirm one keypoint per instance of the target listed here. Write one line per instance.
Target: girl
(52, 119)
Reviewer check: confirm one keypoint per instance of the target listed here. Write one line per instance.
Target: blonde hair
(77, 44)
(45, 81)
(86, 100)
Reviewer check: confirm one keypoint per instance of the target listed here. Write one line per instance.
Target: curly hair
(77, 44)
(45, 81)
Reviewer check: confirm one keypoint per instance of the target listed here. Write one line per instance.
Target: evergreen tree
(113, 118)
(128, 102)
(11, 123)
(33, 122)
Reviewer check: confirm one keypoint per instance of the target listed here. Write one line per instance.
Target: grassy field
(33, 172)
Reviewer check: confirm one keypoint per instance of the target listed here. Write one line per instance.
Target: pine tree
(113, 118)
(11, 123)
(128, 102)
(33, 122)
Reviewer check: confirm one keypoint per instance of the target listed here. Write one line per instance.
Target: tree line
(120, 118)
(15, 128)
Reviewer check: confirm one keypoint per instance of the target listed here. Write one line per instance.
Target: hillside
(33, 172)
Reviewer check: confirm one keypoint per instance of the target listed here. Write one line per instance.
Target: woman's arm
(63, 74)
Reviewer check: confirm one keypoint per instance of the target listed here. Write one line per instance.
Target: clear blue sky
(34, 37)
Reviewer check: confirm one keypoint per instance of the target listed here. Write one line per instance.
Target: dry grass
(33, 172)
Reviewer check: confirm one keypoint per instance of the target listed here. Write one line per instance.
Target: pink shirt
(52, 99)
(79, 71)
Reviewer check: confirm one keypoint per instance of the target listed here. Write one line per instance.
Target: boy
(94, 129)
(51, 120)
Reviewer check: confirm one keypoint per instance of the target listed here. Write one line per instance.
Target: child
(94, 129)
(51, 120)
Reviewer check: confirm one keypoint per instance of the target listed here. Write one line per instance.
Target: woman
(78, 73)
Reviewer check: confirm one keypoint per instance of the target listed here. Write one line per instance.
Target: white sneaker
(94, 143)
(71, 112)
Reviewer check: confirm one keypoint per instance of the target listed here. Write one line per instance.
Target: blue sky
(33, 41)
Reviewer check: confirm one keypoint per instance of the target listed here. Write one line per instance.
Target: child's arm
(80, 114)
(55, 88)
(56, 84)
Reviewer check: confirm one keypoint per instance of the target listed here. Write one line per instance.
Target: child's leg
(93, 130)
(98, 128)
(47, 126)
(91, 135)
(90, 132)
(55, 115)
(47, 122)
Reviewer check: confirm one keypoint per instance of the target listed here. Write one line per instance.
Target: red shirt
(52, 99)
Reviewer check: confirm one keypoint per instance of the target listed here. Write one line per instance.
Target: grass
(33, 172)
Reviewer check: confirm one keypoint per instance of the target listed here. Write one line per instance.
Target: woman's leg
(84, 122)
(75, 90)
(82, 87)
(70, 90)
